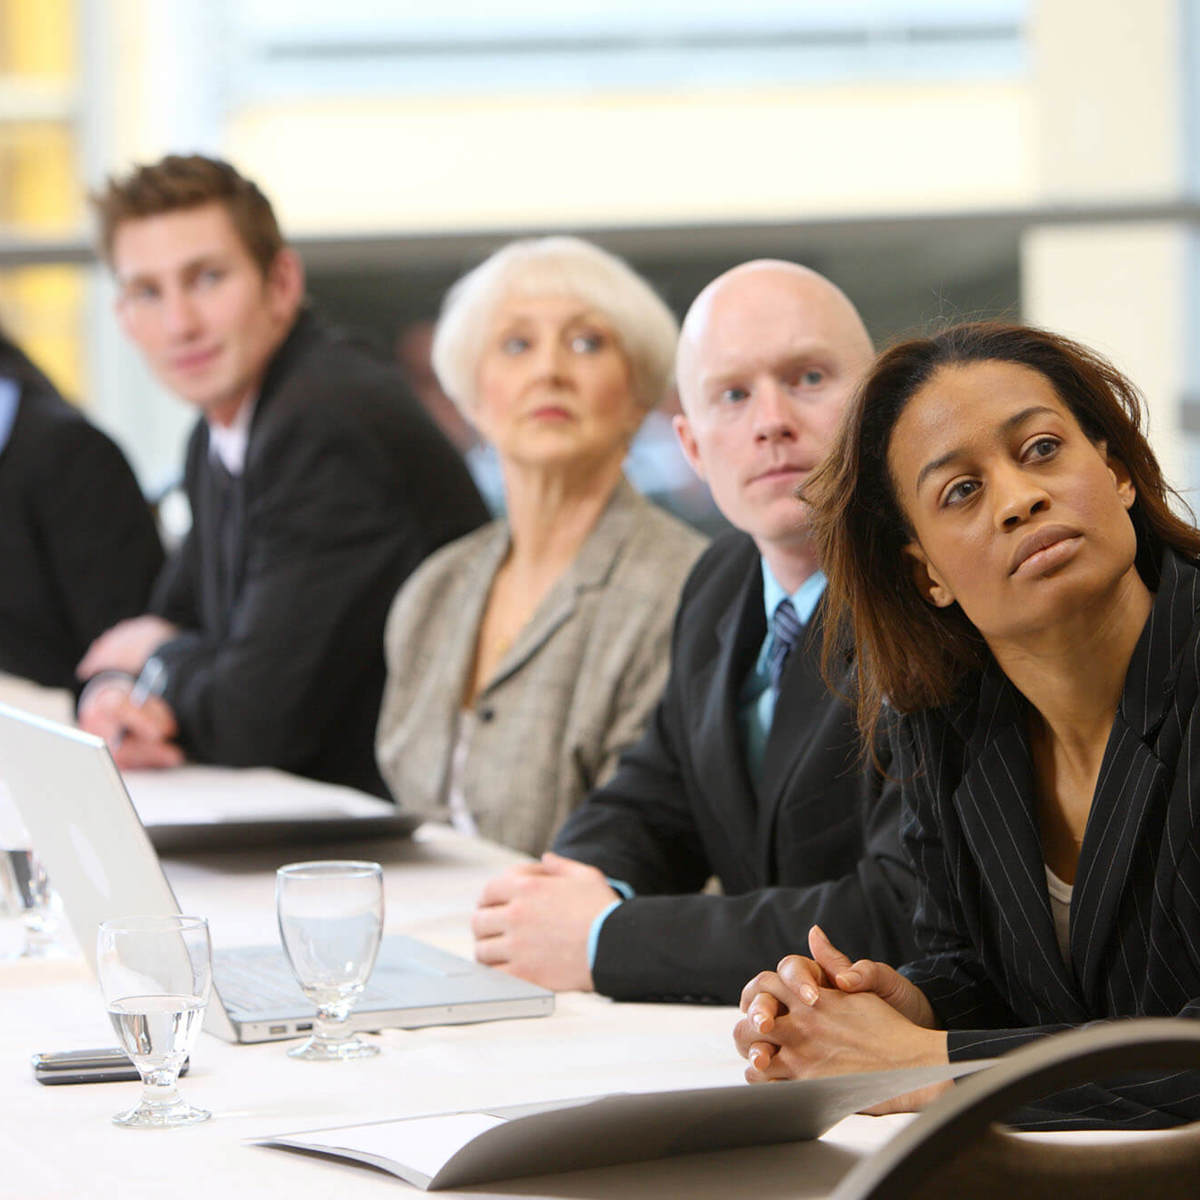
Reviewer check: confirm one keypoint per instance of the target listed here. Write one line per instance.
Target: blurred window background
(938, 159)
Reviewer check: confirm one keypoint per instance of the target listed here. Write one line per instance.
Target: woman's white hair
(644, 326)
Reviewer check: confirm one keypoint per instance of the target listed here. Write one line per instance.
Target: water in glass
(330, 922)
(157, 1032)
(156, 973)
(24, 889)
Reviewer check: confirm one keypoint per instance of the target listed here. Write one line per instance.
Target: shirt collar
(10, 395)
(804, 598)
(229, 442)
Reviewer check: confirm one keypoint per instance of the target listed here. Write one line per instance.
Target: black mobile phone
(108, 1065)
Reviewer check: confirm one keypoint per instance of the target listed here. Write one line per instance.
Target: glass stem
(39, 936)
(330, 1025)
(159, 1088)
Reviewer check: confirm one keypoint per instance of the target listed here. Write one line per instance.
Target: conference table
(59, 1142)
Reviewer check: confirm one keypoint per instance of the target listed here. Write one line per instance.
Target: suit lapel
(452, 627)
(719, 755)
(802, 692)
(467, 601)
(591, 569)
(226, 495)
(995, 806)
(220, 525)
(1133, 782)
(558, 605)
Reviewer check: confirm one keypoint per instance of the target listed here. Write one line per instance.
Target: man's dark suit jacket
(817, 842)
(347, 486)
(77, 540)
(990, 964)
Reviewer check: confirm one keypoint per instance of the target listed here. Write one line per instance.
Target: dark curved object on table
(955, 1149)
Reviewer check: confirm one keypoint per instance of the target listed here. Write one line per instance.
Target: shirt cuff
(103, 679)
(620, 887)
(594, 932)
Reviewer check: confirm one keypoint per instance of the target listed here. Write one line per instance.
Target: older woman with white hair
(523, 658)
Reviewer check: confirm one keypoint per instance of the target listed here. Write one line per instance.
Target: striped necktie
(785, 630)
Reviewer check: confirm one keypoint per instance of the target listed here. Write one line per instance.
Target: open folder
(458, 1149)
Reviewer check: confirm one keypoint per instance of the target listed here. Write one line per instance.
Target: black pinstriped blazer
(990, 963)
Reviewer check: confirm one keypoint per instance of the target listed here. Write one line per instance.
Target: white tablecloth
(58, 1141)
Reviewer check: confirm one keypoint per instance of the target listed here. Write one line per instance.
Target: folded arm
(646, 948)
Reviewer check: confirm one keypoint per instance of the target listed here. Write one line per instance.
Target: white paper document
(423, 1144)
(458, 1149)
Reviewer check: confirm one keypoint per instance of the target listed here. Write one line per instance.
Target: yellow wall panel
(37, 37)
(40, 192)
(41, 307)
(707, 155)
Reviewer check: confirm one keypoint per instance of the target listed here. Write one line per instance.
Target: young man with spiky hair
(316, 485)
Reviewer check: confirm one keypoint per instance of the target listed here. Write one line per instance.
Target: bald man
(749, 770)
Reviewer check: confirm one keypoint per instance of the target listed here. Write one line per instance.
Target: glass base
(43, 946)
(319, 1049)
(161, 1116)
(20, 941)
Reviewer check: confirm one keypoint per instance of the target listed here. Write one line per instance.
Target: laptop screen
(82, 824)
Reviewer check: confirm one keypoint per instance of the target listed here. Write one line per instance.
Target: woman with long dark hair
(1024, 606)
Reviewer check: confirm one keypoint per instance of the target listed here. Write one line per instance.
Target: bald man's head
(768, 356)
(738, 297)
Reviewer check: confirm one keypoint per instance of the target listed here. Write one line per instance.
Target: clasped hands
(138, 734)
(826, 1015)
(534, 921)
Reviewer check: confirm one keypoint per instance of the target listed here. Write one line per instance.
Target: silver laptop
(101, 862)
(197, 807)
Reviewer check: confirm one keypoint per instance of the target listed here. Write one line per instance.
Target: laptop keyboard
(253, 979)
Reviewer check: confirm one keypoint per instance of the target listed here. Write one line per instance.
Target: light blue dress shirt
(756, 704)
(756, 701)
(10, 395)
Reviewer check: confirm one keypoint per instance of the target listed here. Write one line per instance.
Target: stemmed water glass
(156, 973)
(331, 920)
(24, 889)
(26, 892)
